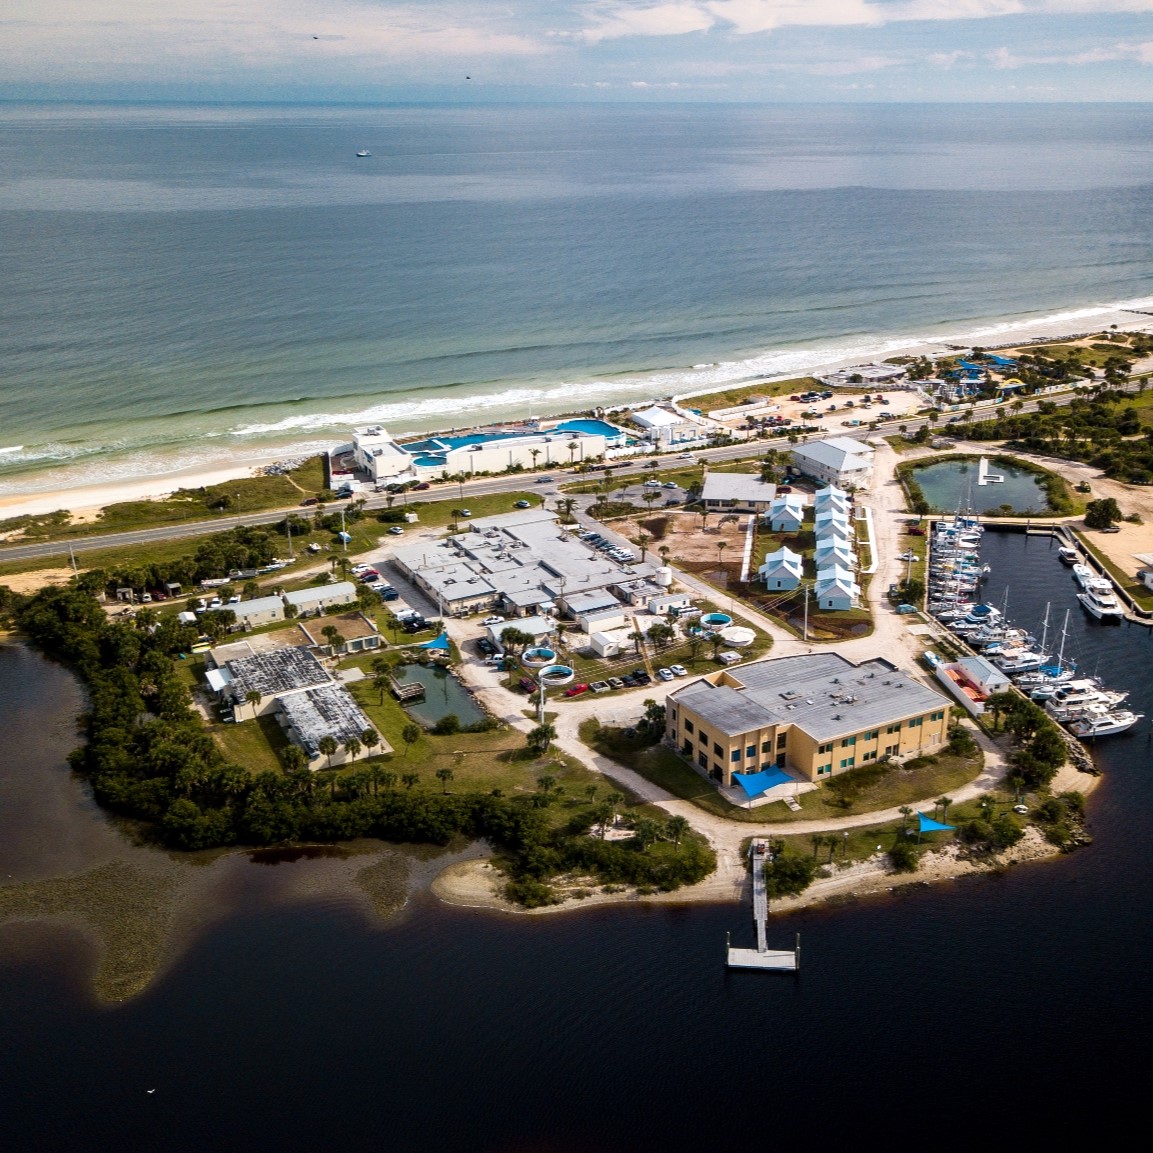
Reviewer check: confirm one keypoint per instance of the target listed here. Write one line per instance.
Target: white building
(376, 453)
(259, 611)
(787, 512)
(665, 426)
(836, 589)
(319, 598)
(831, 552)
(834, 526)
(839, 460)
(782, 570)
(831, 498)
(972, 681)
(737, 492)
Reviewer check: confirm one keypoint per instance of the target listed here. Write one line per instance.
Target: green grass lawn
(254, 745)
(896, 787)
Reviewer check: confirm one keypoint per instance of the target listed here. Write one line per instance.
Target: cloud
(1004, 58)
(614, 21)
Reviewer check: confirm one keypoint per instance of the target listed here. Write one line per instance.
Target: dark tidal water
(1009, 1008)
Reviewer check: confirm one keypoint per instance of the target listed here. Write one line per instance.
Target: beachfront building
(494, 449)
(815, 716)
(321, 598)
(521, 564)
(836, 588)
(782, 570)
(786, 513)
(838, 460)
(737, 492)
(666, 426)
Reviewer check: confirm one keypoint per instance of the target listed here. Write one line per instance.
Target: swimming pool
(613, 436)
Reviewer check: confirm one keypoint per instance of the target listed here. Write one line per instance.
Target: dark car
(486, 646)
(307, 501)
(544, 480)
(389, 595)
(527, 684)
(422, 486)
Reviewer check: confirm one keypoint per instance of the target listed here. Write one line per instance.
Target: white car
(359, 568)
(493, 621)
(652, 482)
(665, 674)
(678, 670)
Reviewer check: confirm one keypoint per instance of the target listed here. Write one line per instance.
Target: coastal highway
(443, 491)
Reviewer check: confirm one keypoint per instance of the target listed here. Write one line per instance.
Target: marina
(1004, 654)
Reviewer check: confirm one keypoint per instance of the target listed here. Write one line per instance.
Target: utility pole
(343, 532)
(806, 632)
(288, 528)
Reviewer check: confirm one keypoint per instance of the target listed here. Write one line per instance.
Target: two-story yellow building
(816, 715)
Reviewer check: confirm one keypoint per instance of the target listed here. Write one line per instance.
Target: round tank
(664, 576)
(738, 636)
(714, 622)
(555, 675)
(537, 658)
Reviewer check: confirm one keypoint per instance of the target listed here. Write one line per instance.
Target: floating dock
(762, 957)
(984, 476)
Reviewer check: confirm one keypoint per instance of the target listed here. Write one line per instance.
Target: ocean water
(182, 285)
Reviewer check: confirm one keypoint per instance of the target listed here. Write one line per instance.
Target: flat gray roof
(746, 486)
(824, 694)
(276, 672)
(329, 710)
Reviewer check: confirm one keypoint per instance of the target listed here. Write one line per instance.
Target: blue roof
(755, 784)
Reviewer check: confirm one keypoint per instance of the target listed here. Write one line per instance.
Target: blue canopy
(928, 825)
(441, 643)
(755, 784)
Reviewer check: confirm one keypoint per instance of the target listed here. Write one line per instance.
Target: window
(894, 728)
(703, 737)
(825, 748)
(916, 722)
(687, 750)
(892, 750)
(672, 714)
(848, 762)
(848, 742)
(688, 726)
(718, 771)
(735, 756)
(782, 740)
(936, 716)
(703, 760)
(871, 735)
(766, 746)
(870, 756)
(717, 750)
(751, 751)
(823, 769)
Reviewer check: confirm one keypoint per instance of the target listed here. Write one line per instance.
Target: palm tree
(636, 636)
(572, 446)
(642, 540)
(444, 776)
(332, 635)
(591, 793)
(293, 759)
(704, 514)
(944, 802)
(352, 747)
(534, 453)
(817, 840)
(371, 739)
(409, 779)
(327, 745)
(677, 827)
(647, 831)
(721, 546)
(906, 813)
(254, 697)
(540, 738)
(650, 496)
(410, 734)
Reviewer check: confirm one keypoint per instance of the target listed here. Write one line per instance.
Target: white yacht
(1067, 555)
(1104, 724)
(1082, 574)
(362, 153)
(1103, 605)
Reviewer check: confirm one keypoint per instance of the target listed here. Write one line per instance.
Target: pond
(443, 694)
(952, 484)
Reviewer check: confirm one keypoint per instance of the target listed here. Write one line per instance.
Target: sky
(622, 50)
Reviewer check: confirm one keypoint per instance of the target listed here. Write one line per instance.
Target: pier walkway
(762, 957)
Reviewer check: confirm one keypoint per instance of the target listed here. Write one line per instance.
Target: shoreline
(85, 498)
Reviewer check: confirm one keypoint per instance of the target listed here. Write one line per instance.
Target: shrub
(447, 725)
(904, 857)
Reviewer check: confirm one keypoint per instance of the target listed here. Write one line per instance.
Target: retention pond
(443, 695)
(953, 484)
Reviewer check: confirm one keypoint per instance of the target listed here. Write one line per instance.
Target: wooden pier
(406, 691)
(762, 957)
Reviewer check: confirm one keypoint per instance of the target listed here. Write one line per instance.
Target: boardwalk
(762, 957)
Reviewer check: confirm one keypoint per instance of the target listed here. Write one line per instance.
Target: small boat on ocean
(363, 153)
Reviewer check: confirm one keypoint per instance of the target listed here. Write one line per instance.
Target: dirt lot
(691, 546)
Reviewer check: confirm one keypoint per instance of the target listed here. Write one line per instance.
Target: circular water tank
(738, 636)
(556, 675)
(537, 658)
(714, 622)
(664, 576)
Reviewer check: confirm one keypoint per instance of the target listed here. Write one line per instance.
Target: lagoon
(444, 695)
(952, 484)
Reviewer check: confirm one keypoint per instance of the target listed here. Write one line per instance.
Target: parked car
(465, 512)
(652, 482)
(357, 569)
(486, 646)
(616, 683)
(527, 684)
(370, 576)
(916, 532)
(678, 670)
(576, 690)
(388, 594)
(544, 480)
(671, 484)
(307, 501)
(396, 530)
(522, 504)
(665, 674)
(422, 486)
(493, 621)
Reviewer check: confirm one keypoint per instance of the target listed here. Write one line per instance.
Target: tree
(677, 827)
(572, 446)
(409, 779)
(352, 747)
(721, 546)
(642, 540)
(906, 813)
(293, 759)
(410, 734)
(944, 802)
(534, 453)
(647, 831)
(444, 776)
(637, 637)
(1101, 514)
(540, 738)
(254, 697)
(328, 746)
(332, 635)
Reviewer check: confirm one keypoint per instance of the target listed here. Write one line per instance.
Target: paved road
(59, 548)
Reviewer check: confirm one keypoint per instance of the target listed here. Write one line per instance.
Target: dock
(407, 691)
(984, 476)
(762, 957)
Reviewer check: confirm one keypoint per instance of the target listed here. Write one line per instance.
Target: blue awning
(441, 643)
(928, 825)
(755, 784)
